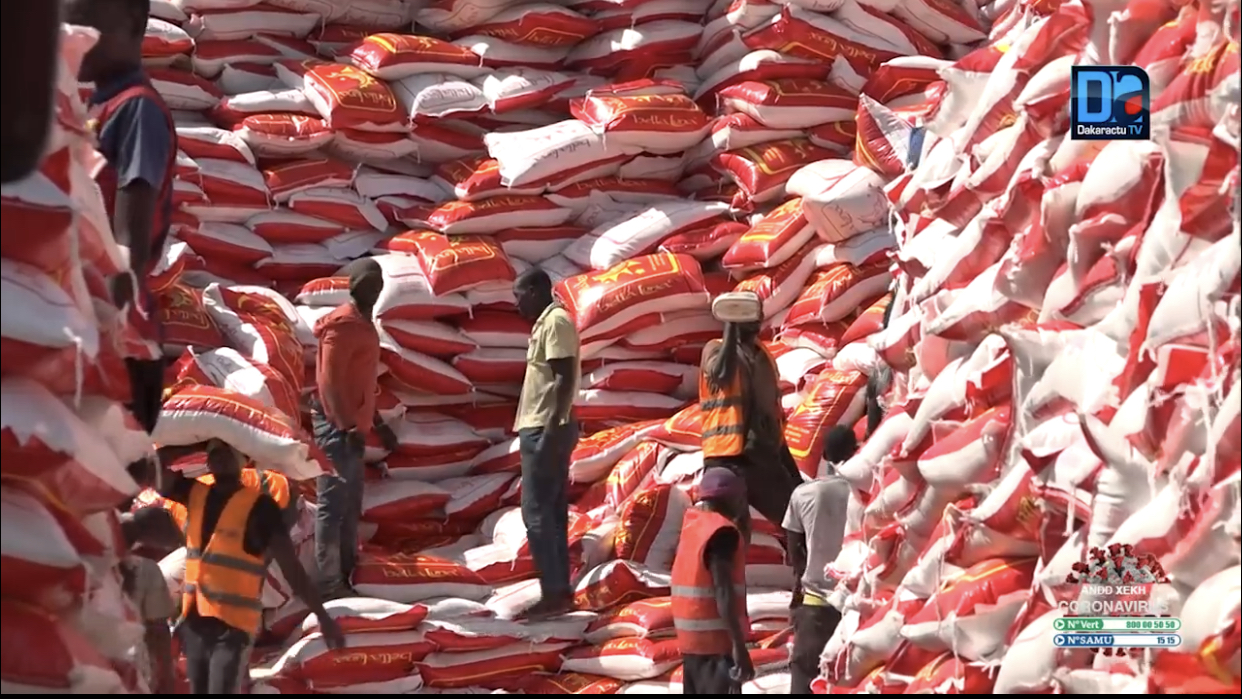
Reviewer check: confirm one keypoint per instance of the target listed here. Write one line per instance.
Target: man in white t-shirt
(144, 583)
(815, 525)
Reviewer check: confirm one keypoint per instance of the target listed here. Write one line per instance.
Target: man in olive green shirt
(547, 435)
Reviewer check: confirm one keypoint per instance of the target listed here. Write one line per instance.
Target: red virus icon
(1117, 565)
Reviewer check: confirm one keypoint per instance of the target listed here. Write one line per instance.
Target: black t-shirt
(265, 519)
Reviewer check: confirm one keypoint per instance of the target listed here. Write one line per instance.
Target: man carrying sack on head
(740, 399)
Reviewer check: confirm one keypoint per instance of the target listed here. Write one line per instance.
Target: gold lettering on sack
(630, 292)
(499, 202)
(463, 251)
(355, 88)
(537, 36)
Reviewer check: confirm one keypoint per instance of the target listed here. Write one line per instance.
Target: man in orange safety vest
(231, 532)
(709, 587)
(740, 401)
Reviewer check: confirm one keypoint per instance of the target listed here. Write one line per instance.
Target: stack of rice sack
(647, 156)
(644, 160)
(67, 626)
(1065, 371)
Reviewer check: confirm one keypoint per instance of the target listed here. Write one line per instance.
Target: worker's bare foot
(550, 607)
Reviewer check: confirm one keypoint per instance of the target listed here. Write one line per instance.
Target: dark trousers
(146, 388)
(340, 503)
(708, 674)
(217, 656)
(545, 503)
(813, 626)
(770, 479)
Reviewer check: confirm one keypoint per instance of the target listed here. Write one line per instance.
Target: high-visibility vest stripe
(225, 597)
(701, 592)
(224, 561)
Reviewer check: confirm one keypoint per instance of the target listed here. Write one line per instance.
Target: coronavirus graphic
(1115, 572)
(1117, 565)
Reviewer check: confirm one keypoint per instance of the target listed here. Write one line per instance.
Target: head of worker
(366, 281)
(840, 444)
(742, 315)
(121, 25)
(533, 293)
(151, 526)
(223, 461)
(722, 491)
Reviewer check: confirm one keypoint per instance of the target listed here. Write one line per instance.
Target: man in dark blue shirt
(137, 137)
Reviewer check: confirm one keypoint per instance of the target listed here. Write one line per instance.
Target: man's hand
(744, 669)
(381, 468)
(356, 441)
(122, 286)
(143, 472)
(387, 437)
(333, 637)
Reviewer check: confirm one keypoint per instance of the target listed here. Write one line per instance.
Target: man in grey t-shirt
(815, 525)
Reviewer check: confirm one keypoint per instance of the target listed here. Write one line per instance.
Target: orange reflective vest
(266, 482)
(724, 414)
(222, 580)
(700, 628)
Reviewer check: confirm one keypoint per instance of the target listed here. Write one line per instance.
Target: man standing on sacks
(547, 434)
(342, 412)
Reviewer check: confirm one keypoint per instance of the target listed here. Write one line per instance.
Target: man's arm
(795, 537)
(720, 551)
(138, 143)
(170, 484)
(286, 556)
(798, 556)
(291, 512)
(561, 350)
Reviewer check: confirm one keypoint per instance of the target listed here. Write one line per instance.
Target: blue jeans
(340, 503)
(545, 503)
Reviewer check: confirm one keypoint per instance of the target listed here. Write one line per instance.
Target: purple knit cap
(719, 484)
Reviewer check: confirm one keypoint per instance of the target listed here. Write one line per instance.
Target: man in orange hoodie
(343, 411)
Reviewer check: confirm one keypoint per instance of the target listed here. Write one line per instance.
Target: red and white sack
(412, 578)
(228, 369)
(39, 429)
(515, 89)
(650, 123)
(775, 238)
(269, 438)
(650, 526)
(45, 654)
(650, 618)
(407, 295)
(646, 287)
(438, 95)
(613, 243)
(619, 582)
(840, 199)
(393, 57)
(791, 103)
(629, 659)
(368, 658)
(565, 149)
